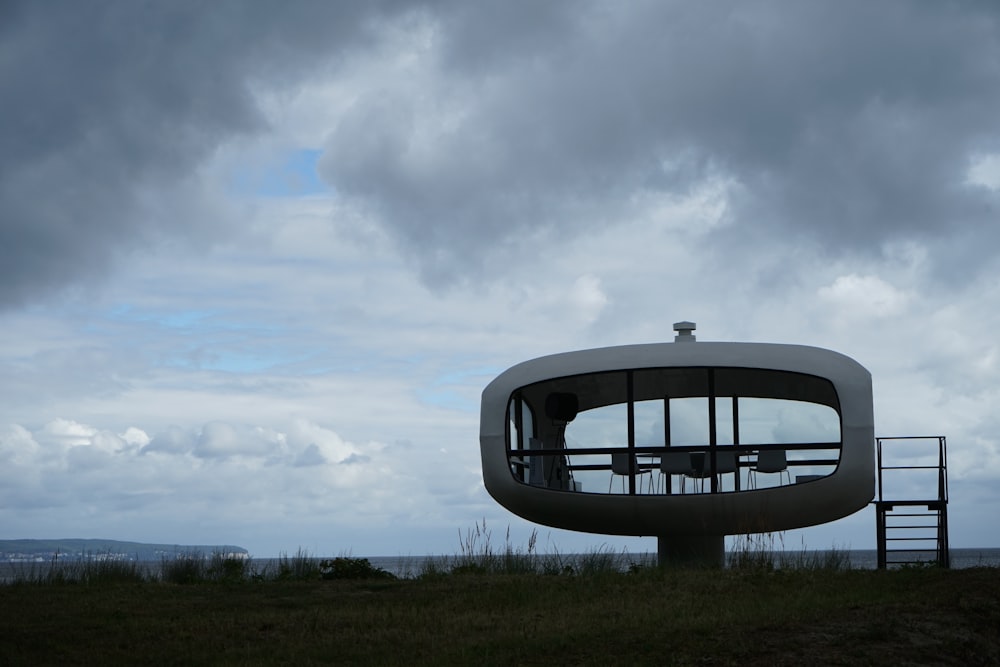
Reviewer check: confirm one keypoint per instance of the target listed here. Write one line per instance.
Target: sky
(259, 260)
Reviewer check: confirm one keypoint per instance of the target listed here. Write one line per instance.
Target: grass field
(648, 616)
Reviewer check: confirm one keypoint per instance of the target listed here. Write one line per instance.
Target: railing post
(880, 534)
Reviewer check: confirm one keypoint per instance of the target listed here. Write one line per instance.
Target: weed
(478, 556)
(184, 569)
(227, 568)
(300, 567)
(599, 560)
(112, 569)
(434, 568)
(754, 552)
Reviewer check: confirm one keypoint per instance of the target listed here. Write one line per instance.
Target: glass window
(772, 420)
(803, 434)
(649, 423)
(689, 421)
(519, 435)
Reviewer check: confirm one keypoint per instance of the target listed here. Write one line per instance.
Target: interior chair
(700, 468)
(620, 466)
(769, 461)
(675, 463)
(725, 462)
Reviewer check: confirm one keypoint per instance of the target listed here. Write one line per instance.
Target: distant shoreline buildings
(91, 550)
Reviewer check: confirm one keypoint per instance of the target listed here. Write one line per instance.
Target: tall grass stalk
(833, 559)
(755, 551)
(766, 552)
(184, 568)
(600, 560)
(88, 569)
(300, 567)
(477, 554)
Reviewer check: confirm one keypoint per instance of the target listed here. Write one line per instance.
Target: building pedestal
(691, 550)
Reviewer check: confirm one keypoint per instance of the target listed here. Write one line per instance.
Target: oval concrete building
(686, 441)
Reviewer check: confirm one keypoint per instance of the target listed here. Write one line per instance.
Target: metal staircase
(912, 531)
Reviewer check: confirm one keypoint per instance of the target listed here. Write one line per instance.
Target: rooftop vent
(684, 330)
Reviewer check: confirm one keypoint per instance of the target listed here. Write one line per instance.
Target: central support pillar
(691, 550)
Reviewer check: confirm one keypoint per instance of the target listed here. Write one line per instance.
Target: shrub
(344, 567)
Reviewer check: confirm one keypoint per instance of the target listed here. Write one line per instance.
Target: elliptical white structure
(663, 420)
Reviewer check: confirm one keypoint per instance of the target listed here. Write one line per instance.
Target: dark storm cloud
(110, 107)
(849, 124)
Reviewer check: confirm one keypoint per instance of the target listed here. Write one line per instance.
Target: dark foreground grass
(922, 616)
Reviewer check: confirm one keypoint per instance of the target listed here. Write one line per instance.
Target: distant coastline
(41, 550)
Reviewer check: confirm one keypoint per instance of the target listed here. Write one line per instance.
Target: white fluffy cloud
(864, 298)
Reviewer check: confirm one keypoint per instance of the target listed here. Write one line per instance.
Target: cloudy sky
(258, 260)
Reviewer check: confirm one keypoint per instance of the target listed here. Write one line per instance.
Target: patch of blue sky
(449, 400)
(232, 361)
(293, 174)
(458, 377)
(184, 319)
(189, 321)
(443, 391)
(246, 362)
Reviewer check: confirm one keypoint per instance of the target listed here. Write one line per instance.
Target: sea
(414, 566)
(858, 559)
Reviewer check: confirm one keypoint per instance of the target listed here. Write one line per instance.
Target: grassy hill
(646, 617)
(89, 548)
